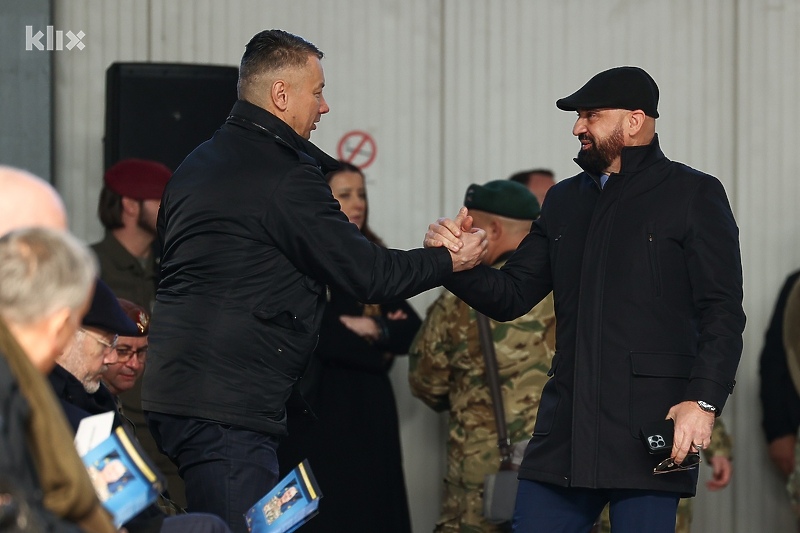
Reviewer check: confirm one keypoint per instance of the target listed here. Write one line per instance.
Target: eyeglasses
(125, 353)
(669, 465)
(108, 345)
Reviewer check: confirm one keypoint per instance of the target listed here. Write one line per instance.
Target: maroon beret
(136, 313)
(139, 179)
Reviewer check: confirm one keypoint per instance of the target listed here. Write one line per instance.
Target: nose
(579, 127)
(323, 106)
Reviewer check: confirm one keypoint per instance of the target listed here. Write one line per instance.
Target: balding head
(28, 201)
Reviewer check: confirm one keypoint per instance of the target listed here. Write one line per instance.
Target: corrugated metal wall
(462, 91)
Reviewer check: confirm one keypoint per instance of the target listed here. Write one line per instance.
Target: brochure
(289, 505)
(124, 478)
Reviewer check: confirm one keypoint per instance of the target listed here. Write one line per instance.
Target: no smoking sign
(357, 148)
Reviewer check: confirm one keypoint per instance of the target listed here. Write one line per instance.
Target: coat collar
(257, 118)
(636, 158)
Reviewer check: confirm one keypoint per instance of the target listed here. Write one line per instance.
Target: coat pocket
(658, 381)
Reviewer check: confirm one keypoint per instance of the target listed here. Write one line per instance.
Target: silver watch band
(707, 407)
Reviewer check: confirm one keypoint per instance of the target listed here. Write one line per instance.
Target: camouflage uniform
(721, 445)
(447, 372)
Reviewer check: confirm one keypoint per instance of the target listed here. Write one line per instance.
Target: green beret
(503, 197)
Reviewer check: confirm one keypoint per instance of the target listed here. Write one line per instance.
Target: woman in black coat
(353, 445)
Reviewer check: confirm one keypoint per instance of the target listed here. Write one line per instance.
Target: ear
(494, 230)
(130, 206)
(280, 95)
(635, 122)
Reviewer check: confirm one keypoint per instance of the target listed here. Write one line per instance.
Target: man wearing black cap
(642, 256)
(446, 363)
(79, 369)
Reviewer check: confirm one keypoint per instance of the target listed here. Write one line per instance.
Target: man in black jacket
(250, 236)
(642, 256)
(780, 403)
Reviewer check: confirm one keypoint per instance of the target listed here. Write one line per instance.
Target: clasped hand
(467, 245)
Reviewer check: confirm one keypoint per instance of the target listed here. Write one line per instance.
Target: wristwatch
(707, 407)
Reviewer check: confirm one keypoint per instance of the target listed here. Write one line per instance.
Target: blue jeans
(226, 469)
(541, 507)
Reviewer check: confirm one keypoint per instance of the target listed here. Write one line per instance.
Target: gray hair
(41, 271)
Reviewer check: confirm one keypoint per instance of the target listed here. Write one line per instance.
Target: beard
(602, 152)
(143, 222)
(91, 384)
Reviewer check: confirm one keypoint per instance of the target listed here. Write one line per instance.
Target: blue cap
(106, 313)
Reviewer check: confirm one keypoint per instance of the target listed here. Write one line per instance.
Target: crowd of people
(240, 316)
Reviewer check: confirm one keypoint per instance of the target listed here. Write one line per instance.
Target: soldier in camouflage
(718, 455)
(447, 368)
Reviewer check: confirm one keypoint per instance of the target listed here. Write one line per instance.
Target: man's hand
(722, 471)
(466, 245)
(397, 315)
(781, 452)
(446, 232)
(475, 246)
(692, 429)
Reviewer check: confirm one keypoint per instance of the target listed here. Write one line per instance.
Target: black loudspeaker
(163, 111)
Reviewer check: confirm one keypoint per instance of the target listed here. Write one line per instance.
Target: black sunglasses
(669, 465)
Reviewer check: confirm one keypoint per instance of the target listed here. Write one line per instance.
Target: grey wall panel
(115, 31)
(26, 95)
(767, 82)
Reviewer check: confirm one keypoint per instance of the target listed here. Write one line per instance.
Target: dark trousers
(542, 507)
(226, 469)
(194, 523)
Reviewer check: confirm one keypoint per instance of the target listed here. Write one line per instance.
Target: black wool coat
(250, 236)
(647, 281)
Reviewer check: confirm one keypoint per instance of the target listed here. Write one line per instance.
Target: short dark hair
(525, 176)
(271, 50)
(109, 209)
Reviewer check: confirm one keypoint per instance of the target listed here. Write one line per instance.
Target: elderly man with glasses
(76, 377)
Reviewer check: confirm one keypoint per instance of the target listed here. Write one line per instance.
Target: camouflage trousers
(683, 521)
(462, 512)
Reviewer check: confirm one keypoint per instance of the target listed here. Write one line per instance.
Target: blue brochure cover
(289, 505)
(123, 476)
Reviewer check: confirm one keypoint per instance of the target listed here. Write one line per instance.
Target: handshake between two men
(467, 245)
